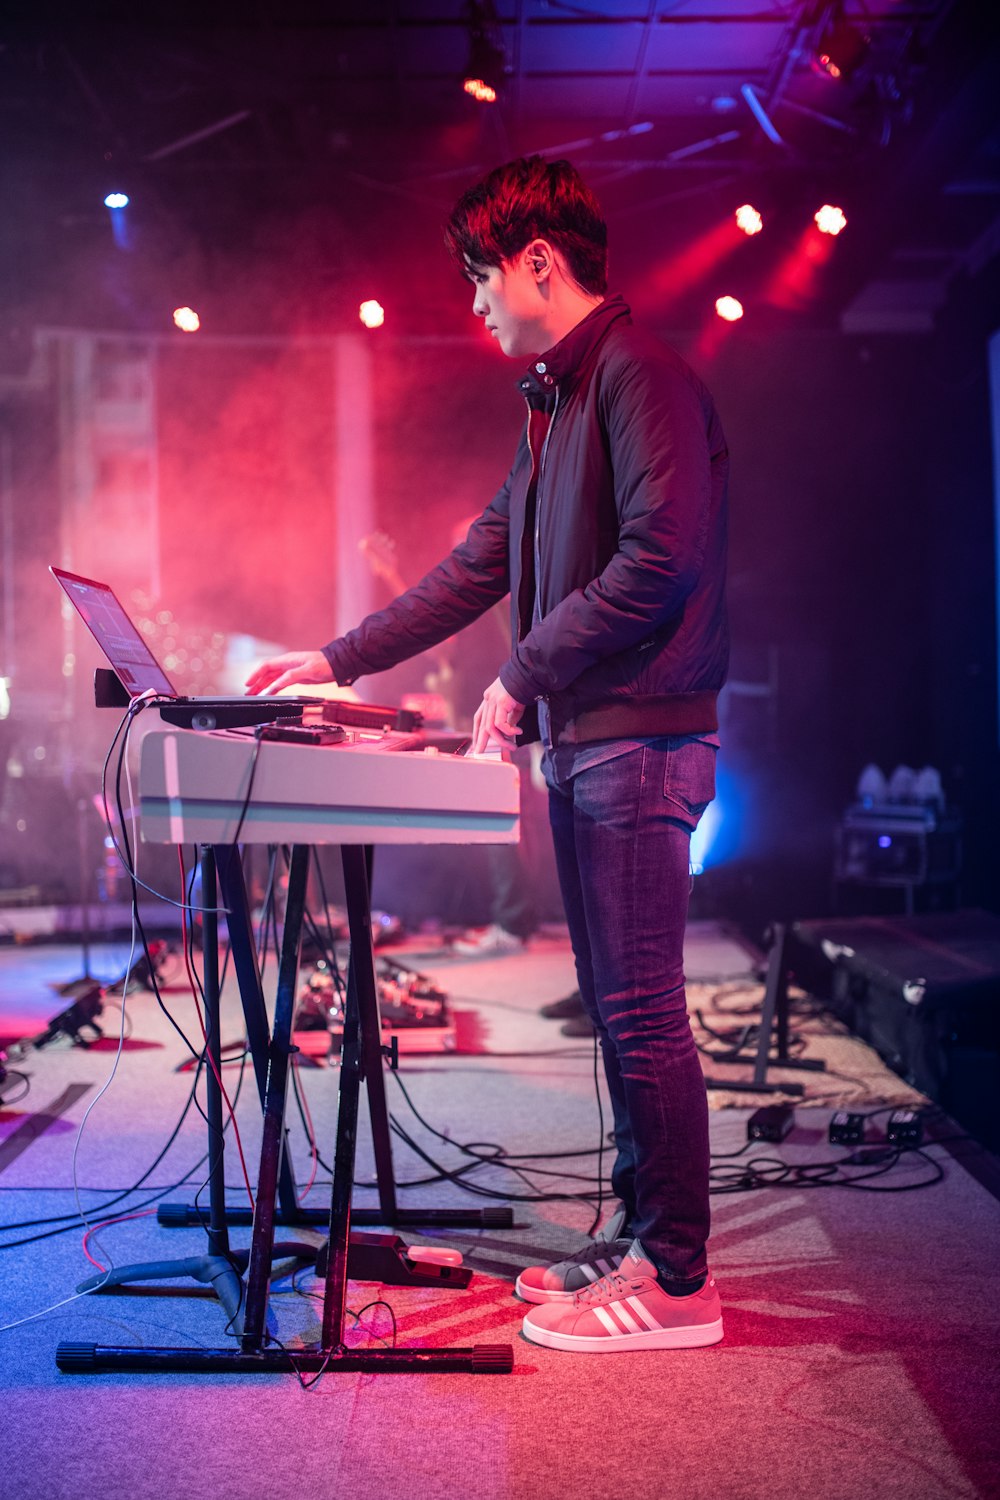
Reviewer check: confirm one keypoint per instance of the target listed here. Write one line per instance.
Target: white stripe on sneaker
(606, 1267)
(589, 1272)
(644, 1312)
(605, 1319)
(628, 1322)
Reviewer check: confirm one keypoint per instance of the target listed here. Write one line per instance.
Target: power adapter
(771, 1122)
(846, 1129)
(905, 1128)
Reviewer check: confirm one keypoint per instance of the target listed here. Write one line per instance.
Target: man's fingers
(261, 676)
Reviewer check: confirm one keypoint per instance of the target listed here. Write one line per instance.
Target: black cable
(310, 1383)
(258, 737)
(329, 950)
(498, 1157)
(600, 1143)
(25, 1081)
(134, 708)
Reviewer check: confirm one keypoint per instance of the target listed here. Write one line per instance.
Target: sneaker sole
(696, 1337)
(537, 1294)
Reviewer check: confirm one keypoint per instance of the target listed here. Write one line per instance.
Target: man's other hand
(497, 718)
(284, 671)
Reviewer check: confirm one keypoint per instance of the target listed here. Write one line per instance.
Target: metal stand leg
(774, 1016)
(221, 1268)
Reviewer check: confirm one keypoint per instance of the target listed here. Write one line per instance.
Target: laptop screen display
(119, 639)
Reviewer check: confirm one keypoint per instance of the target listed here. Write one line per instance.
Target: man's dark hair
(530, 197)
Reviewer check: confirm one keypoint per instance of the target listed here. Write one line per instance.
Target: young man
(609, 534)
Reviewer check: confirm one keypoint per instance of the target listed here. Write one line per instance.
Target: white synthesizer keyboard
(373, 788)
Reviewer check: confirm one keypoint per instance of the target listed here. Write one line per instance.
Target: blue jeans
(622, 832)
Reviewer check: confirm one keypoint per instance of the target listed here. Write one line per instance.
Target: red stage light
(748, 219)
(729, 308)
(485, 93)
(372, 314)
(829, 219)
(186, 319)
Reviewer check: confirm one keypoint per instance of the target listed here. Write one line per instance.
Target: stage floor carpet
(861, 1350)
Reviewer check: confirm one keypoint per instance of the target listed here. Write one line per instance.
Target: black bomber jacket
(625, 544)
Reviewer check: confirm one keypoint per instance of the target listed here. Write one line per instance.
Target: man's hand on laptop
(285, 671)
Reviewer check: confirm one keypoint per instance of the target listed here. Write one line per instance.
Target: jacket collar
(560, 364)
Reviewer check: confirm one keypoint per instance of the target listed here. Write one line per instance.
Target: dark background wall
(862, 578)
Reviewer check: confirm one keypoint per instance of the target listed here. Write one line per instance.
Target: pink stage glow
(676, 276)
(793, 283)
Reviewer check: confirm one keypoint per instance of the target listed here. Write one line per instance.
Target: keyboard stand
(361, 1058)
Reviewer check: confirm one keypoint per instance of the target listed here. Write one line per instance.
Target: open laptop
(138, 671)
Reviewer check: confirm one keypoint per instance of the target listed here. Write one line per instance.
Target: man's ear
(540, 259)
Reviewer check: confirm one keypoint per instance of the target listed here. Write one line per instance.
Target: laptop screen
(103, 614)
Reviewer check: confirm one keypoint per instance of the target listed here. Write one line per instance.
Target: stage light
(482, 92)
(829, 219)
(116, 200)
(186, 319)
(486, 68)
(748, 219)
(729, 308)
(841, 48)
(372, 314)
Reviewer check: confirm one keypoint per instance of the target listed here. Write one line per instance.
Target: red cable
(104, 1224)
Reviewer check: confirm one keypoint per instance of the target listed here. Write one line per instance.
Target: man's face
(509, 299)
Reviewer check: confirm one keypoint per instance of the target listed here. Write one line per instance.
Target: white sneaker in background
(488, 942)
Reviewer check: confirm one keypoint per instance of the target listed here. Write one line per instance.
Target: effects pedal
(905, 1128)
(846, 1129)
(771, 1122)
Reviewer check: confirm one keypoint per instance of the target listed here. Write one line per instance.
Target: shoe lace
(616, 1284)
(599, 1250)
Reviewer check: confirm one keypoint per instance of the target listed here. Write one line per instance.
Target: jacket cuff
(519, 686)
(345, 665)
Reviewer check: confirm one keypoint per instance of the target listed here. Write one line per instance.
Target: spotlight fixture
(116, 200)
(487, 65)
(186, 319)
(748, 219)
(730, 309)
(830, 219)
(372, 313)
(842, 46)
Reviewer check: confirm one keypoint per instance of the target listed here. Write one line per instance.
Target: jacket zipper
(537, 606)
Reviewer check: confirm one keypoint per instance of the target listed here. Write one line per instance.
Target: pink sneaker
(561, 1282)
(628, 1310)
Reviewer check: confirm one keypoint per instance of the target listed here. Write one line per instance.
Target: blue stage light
(116, 200)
